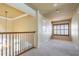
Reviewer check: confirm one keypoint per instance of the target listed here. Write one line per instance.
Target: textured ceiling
(43, 7)
(66, 10)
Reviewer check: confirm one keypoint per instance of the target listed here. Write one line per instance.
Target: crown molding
(19, 16)
(15, 18)
(2, 17)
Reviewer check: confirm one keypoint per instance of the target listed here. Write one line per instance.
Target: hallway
(34, 25)
(54, 48)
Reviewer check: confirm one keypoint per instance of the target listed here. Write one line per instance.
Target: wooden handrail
(15, 43)
(16, 32)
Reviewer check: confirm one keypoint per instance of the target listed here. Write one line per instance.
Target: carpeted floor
(54, 48)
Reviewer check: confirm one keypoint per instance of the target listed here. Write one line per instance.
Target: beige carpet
(54, 48)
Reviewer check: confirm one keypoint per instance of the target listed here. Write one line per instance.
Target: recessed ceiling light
(55, 4)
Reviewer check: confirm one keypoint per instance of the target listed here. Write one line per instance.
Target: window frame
(61, 29)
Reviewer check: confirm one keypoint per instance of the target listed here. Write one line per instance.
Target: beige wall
(3, 26)
(26, 23)
(75, 28)
(10, 26)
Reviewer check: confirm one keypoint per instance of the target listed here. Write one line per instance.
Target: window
(61, 29)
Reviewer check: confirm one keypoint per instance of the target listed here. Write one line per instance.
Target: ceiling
(12, 12)
(55, 11)
(43, 7)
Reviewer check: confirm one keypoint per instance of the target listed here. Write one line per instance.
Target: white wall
(44, 29)
(75, 28)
